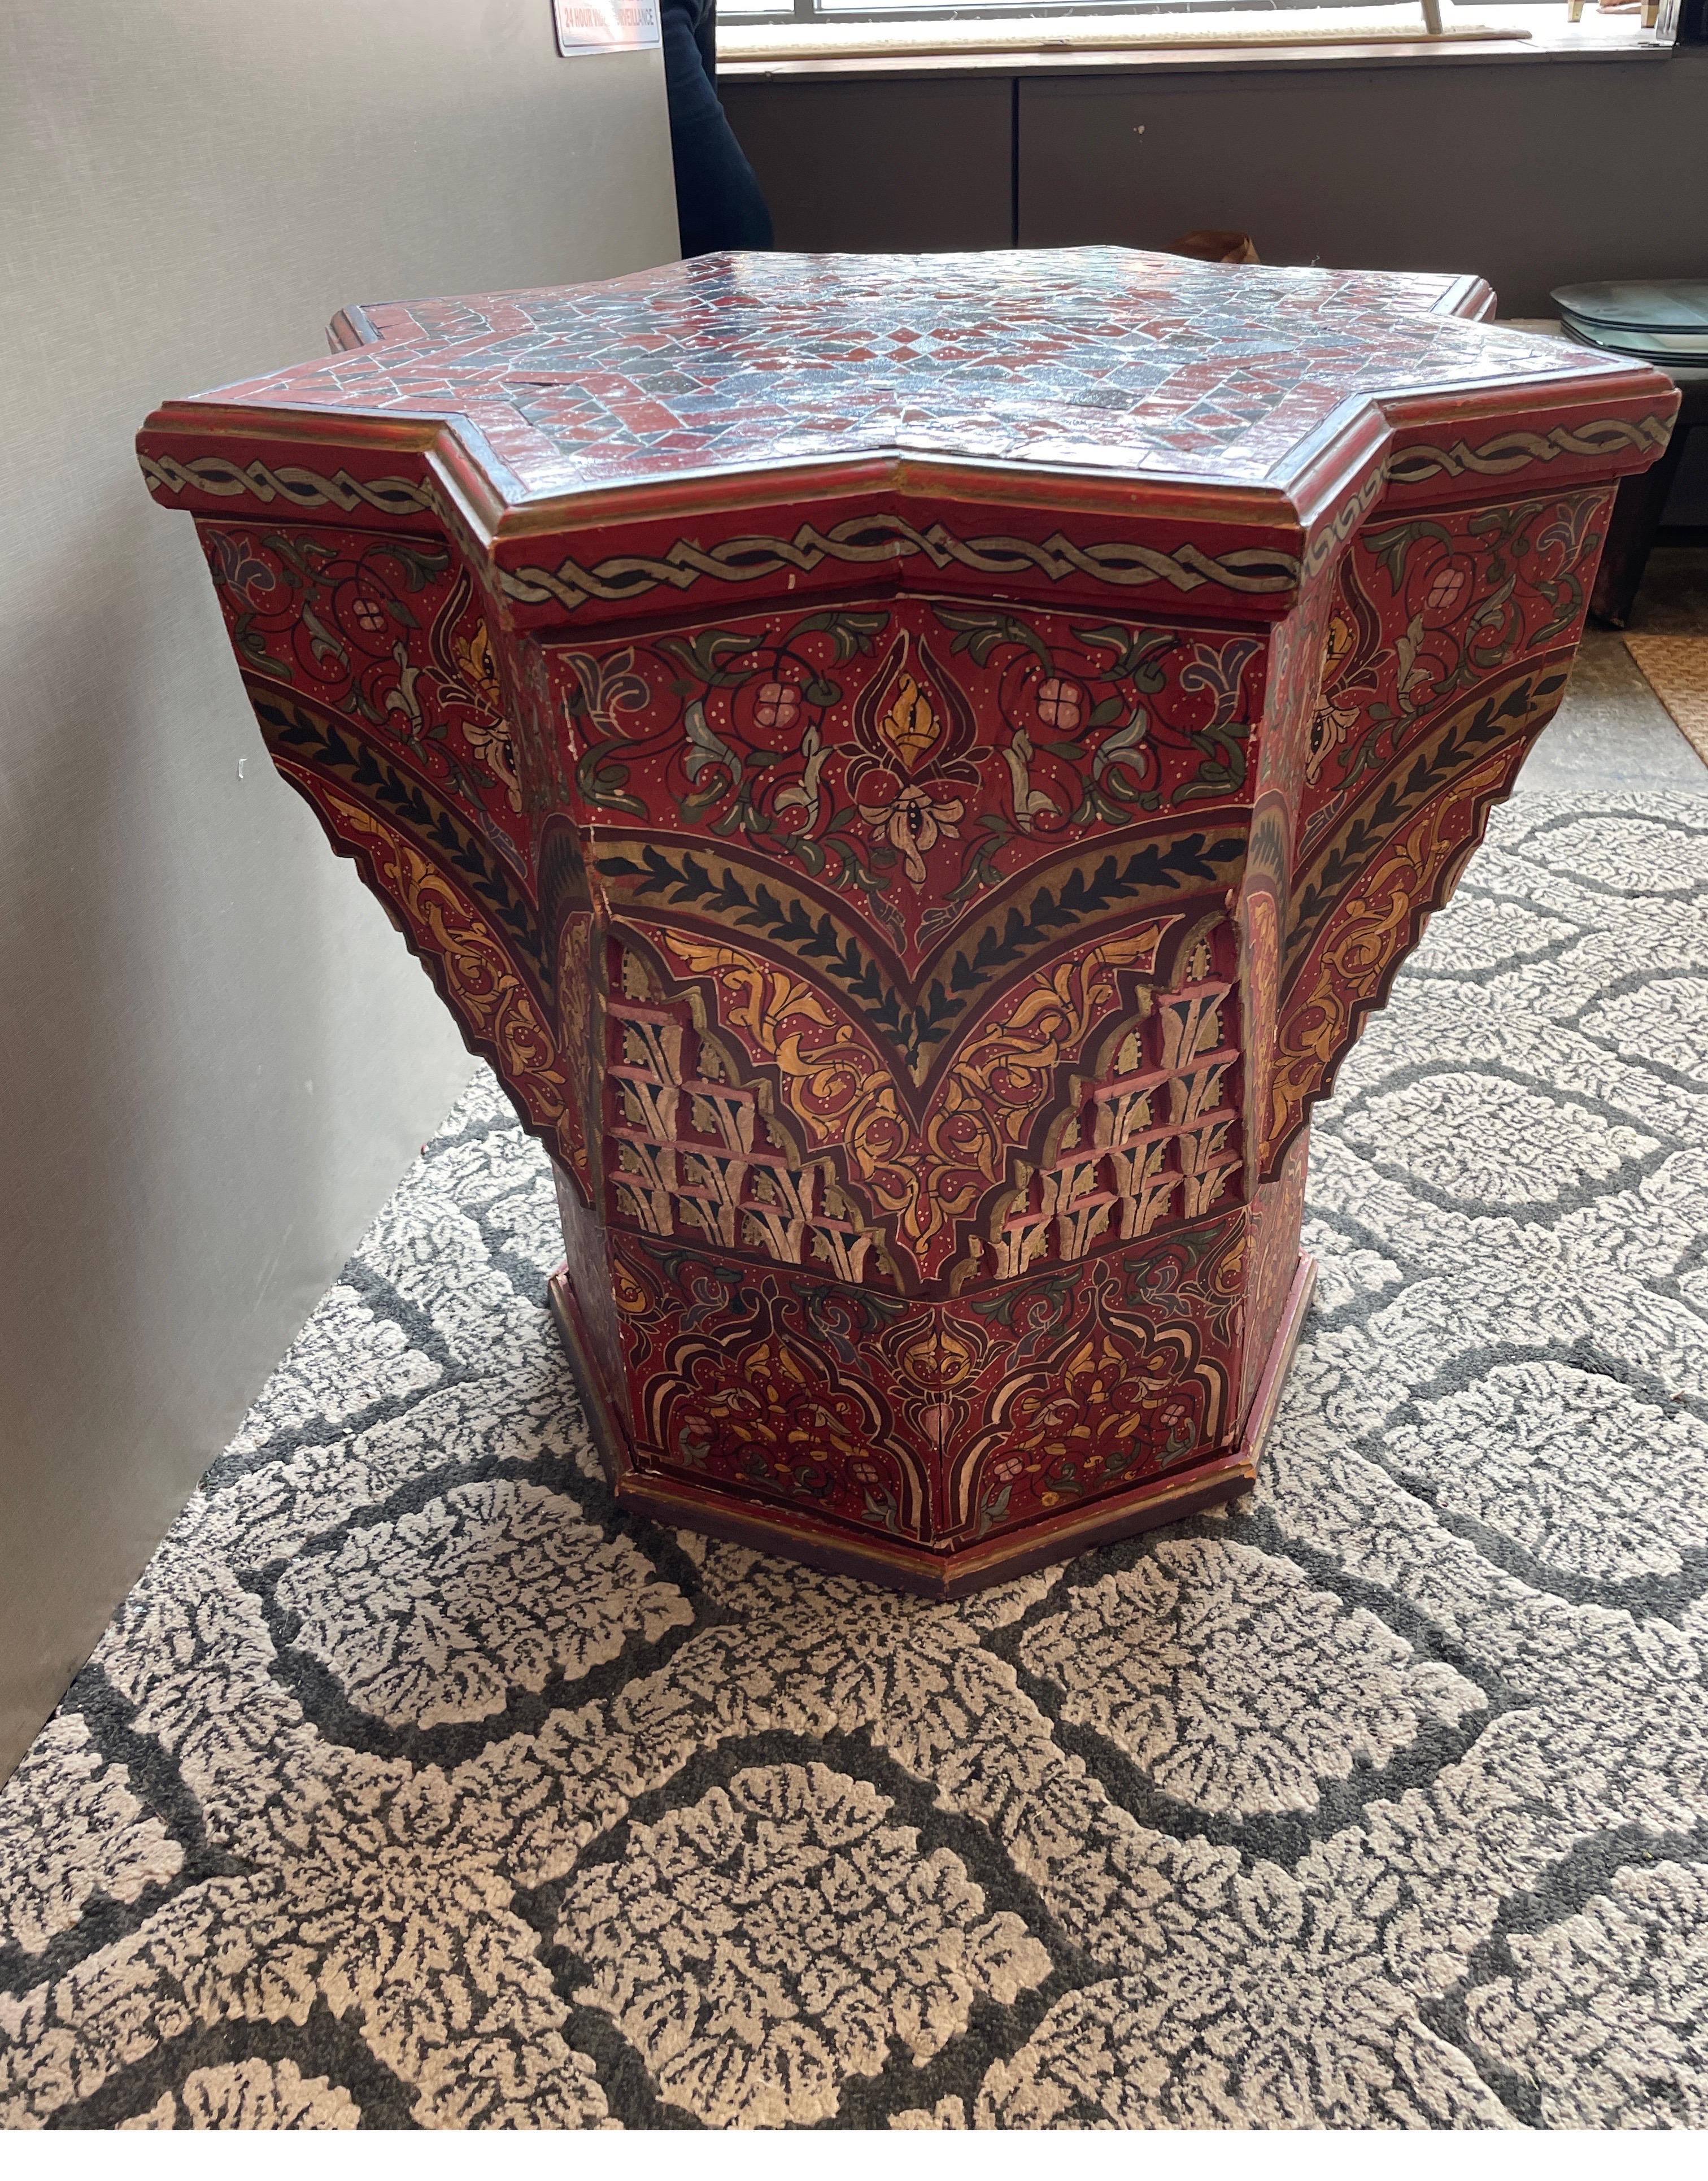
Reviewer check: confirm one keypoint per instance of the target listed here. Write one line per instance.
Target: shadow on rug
(411, 1784)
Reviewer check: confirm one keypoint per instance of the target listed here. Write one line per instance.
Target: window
(778, 30)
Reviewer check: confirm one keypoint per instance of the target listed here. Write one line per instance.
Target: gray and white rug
(411, 1784)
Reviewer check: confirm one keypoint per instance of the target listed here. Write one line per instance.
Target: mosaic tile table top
(913, 772)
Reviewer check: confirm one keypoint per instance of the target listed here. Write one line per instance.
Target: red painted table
(913, 772)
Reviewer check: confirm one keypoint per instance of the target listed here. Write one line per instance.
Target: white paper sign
(605, 26)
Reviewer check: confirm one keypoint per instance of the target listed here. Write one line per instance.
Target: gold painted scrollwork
(499, 1015)
(1367, 937)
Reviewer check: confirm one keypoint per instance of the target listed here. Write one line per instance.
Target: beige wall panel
(216, 1057)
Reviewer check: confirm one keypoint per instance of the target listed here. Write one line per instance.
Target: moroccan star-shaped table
(913, 771)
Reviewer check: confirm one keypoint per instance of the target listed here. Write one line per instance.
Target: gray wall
(1529, 173)
(216, 1057)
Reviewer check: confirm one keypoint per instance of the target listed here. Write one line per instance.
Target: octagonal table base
(895, 1562)
(1138, 1387)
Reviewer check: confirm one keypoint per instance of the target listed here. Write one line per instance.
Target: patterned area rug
(413, 1786)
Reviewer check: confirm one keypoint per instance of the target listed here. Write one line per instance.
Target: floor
(416, 1784)
(1612, 730)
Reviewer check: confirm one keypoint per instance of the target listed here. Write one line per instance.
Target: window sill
(756, 51)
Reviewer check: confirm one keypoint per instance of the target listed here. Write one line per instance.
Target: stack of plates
(1664, 321)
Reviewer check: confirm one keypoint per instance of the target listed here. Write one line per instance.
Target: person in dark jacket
(719, 205)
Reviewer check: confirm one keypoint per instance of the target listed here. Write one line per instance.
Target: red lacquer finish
(914, 771)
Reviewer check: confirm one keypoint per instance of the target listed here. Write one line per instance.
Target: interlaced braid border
(1516, 450)
(222, 479)
(869, 538)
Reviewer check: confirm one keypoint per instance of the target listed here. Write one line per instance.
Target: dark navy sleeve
(719, 205)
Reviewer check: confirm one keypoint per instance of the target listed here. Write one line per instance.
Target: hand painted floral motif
(1347, 972)
(388, 632)
(757, 1399)
(498, 1015)
(915, 758)
(1108, 1406)
(1031, 1398)
(910, 755)
(1075, 1387)
(1426, 609)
